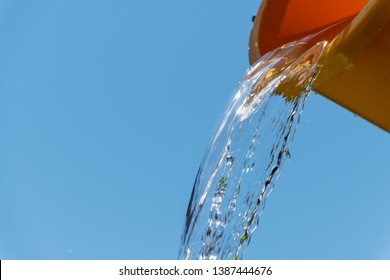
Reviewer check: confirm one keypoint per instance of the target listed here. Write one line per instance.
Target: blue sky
(106, 108)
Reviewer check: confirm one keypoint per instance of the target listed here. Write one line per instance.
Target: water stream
(247, 152)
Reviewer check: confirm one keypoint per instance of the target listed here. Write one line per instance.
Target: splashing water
(247, 152)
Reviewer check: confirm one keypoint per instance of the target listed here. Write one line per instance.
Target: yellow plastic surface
(356, 73)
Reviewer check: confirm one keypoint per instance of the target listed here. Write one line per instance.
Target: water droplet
(229, 160)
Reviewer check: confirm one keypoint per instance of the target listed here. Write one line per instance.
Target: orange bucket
(356, 72)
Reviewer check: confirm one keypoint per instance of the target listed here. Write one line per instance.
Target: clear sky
(106, 108)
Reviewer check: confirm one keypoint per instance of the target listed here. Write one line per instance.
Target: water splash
(247, 152)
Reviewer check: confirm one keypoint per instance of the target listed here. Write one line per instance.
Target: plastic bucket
(356, 72)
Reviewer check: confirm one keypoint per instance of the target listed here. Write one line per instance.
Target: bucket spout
(356, 71)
